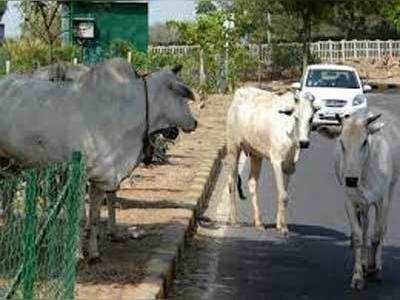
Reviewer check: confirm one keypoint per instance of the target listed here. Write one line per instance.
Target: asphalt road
(315, 262)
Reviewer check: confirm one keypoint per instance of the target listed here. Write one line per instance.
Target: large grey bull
(107, 115)
(367, 166)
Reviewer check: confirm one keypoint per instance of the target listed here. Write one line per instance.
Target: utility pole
(228, 25)
(269, 22)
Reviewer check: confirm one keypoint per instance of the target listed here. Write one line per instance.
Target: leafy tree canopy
(205, 7)
(3, 7)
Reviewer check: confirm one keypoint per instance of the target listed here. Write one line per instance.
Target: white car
(335, 89)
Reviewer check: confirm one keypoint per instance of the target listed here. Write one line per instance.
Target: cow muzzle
(170, 133)
(189, 126)
(304, 144)
(351, 182)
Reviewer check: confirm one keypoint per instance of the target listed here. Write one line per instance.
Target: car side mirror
(367, 88)
(296, 85)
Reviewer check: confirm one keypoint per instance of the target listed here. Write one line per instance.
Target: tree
(253, 19)
(359, 18)
(3, 7)
(205, 7)
(42, 21)
(392, 10)
(163, 34)
(309, 13)
(215, 40)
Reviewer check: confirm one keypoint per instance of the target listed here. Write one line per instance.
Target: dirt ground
(151, 206)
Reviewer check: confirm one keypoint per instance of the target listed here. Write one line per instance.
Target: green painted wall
(124, 21)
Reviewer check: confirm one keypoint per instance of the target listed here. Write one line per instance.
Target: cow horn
(372, 118)
(177, 69)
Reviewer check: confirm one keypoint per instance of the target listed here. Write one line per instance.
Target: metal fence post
(30, 251)
(8, 67)
(355, 49)
(73, 202)
(319, 50)
(202, 71)
(343, 43)
(379, 48)
(129, 58)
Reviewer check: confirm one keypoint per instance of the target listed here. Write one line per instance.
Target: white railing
(324, 50)
(175, 49)
(355, 49)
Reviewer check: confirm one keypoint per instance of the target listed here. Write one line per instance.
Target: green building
(96, 24)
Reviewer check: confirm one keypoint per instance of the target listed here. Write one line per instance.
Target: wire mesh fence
(40, 230)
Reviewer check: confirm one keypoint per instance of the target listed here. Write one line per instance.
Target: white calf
(265, 125)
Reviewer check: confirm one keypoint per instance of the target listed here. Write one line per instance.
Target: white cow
(366, 166)
(265, 125)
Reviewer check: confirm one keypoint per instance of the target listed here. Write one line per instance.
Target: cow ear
(177, 69)
(182, 90)
(372, 118)
(375, 127)
(330, 132)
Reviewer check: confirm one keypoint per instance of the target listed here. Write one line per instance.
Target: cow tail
(240, 188)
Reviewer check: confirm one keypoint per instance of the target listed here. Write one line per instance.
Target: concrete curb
(162, 266)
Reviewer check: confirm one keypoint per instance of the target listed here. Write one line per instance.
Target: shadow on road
(314, 263)
(310, 231)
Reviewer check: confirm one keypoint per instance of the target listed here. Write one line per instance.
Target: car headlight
(359, 99)
(308, 96)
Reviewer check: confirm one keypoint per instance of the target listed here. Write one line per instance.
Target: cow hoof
(259, 227)
(114, 238)
(233, 221)
(206, 222)
(94, 260)
(375, 275)
(358, 284)
(283, 230)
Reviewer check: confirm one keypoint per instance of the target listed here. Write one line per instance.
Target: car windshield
(332, 78)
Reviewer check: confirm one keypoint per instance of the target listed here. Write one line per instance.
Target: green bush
(26, 55)
(286, 57)
(151, 61)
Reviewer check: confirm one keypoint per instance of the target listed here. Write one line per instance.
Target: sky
(159, 11)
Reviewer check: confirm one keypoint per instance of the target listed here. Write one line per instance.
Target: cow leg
(283, 197)
(296, 155)
(111, 220)
(232, 163)
(241, 166)
(380, 227)
(255, 162)
(86, 210)
(358, 280)
(96, 197)
(364, 221)
(82, 233)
